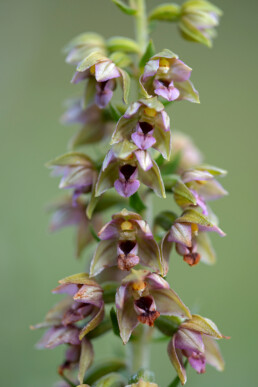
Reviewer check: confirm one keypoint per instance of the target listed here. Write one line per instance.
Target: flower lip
(146, 310)
(127, 170)
(144, 303)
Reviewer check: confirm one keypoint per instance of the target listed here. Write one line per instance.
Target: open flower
(147, 125)
(101, 73)
(202, 185)
(95, 123)
(68, 213)
(188, 233)
(167, 76)
(78, 173)
(195, 340)
(126, 171)
(142, 298)
(126, 241)
(198, 21)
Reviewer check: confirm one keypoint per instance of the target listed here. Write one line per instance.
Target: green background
(34, 82)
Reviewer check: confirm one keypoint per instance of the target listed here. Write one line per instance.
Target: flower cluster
(125, 289)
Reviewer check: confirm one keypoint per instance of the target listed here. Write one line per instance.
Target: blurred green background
(34, 82)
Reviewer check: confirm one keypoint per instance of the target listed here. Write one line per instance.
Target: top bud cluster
(125, 288)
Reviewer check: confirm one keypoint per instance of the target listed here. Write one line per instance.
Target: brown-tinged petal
(90, 294)
(205, 248)
(175, 357)
(86, 358)
(165, 248)
(126, 315)
(79, 279)
(212, 353)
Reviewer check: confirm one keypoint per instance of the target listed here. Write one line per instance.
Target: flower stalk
(109, 200)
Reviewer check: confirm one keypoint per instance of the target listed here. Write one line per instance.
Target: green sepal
(124, 8)
(168, 325)
(165, 219)
(86, 358)
(176, 382)
(109, 292)
(166, 12)
(111, 380)
(71, 158)
(90, 39)
(126, 81)
(114, 322)
(103, 368)
(100, 330)
(183, 196)
(120, 59)
(136, 203)
(120, 43)
(123, 149)
(91, 60)
(149, 52)
(143, 374)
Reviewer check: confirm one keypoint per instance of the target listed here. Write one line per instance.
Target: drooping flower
(195, 340)
(167, 76)
(66, 213)
(197, 186)
(126, 241)
(96, 125)
(78, 172)
(198, 21)
(126, 170)
(102, 74)
(188, 233)
(188, 154)
(147, 125)
(142, 298)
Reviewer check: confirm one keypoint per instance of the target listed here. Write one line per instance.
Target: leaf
(149, 52)
(165, 219)
(114, 322)
(120, 43)
(166, 12)
(104, 368)
(136, 203)
(124, 8)
(86, 358)
(167, 325)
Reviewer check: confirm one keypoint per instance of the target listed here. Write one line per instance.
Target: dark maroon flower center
(145, 127)
(144, 303)
(127, 170)
(165, 82)
(127, 246)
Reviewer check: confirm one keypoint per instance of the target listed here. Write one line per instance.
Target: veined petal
(152, 178)
(166, 247)
(90, 294)
(149, 254)
(144, 159)
(205, 248)
(175, 357)
(187, 91)
(181, 233)
(126, 315)
(212, 353)
(168, 303)
(189, 340)
(203, 325)
(106, 70)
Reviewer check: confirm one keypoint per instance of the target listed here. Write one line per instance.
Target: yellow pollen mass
(139, 285)
(125, 226)
(194, 228)
(164, 63)
(150, 112)
(92, 70)
(201, 182)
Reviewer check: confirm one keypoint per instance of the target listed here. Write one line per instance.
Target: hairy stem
(141, 27)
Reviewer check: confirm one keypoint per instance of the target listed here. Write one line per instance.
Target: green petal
(190, 32)
(86, 358)
(91, 60)
(120, 43)
(93, 323)
(187, 91)
(126, 81)
(183, 196)
(168, 303)
(205, 248)
(174, 358)
(203, 325)
(165, 12)
(71, 159)
(152, 179)
(212, 353)
(105, 256)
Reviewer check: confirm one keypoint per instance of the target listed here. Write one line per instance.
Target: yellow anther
(194, 228)
(150, 112)
(139, 286)
(126, 226)
(164, 63)
(92, 70)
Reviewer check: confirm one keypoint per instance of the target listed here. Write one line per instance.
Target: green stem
(141, 26)
(139, 352)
